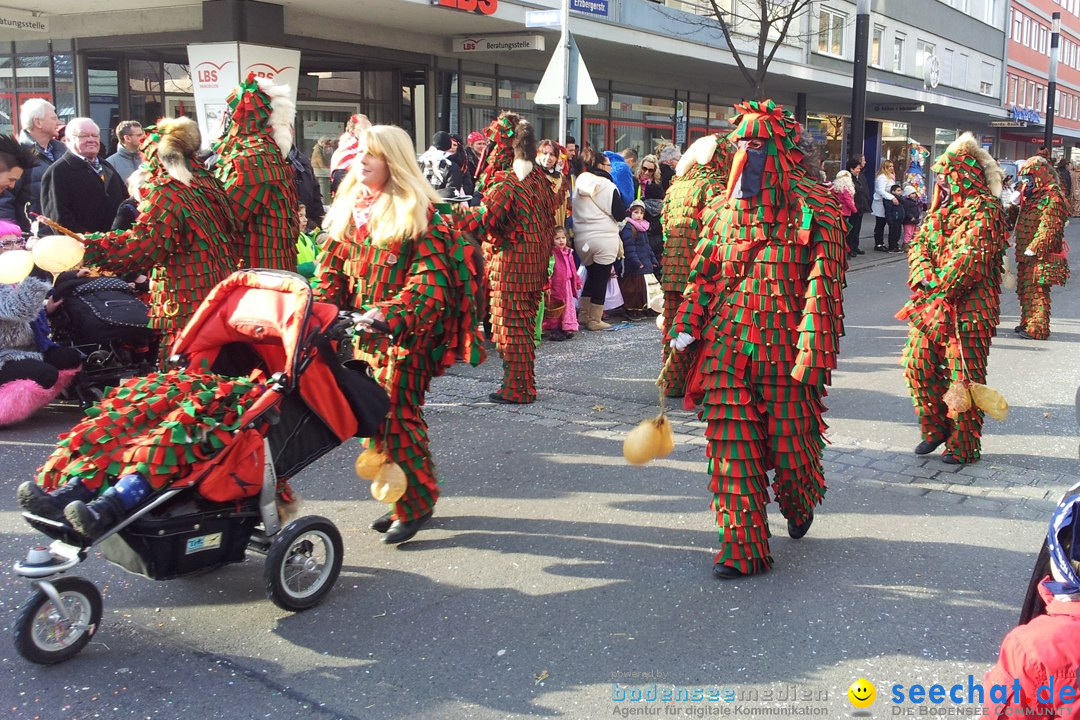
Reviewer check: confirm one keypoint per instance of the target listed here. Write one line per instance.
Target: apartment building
(1027, 76)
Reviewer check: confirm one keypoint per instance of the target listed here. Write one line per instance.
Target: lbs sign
(480, 7)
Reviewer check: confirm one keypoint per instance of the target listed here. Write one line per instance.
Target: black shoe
(400, 531)
(1026, 335)
(927, 446)
(949, 459)
(94, 519)
(558, 335)
(382, 523)
(881, 248)
(857, 251)
(500, 400)
(567, 335)
(725, 572)
(1018, 329)
(797, 530)
(894, 251)
(50, 505)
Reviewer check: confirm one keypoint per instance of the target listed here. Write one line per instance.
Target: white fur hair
(522, 168)
(966, 144)
(282, 113)
(701, 152)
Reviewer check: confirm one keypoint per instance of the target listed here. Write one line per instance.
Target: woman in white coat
(598, 209)
(885, 179)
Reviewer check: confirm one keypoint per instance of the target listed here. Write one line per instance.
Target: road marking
(27, 443)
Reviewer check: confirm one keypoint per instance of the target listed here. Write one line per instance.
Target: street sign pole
(564, 48)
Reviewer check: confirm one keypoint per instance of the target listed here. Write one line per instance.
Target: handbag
(366, 398)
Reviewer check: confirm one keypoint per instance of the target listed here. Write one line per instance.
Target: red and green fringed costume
(162, 425)
(764, 302)
(517, 220)
(425, 288)
(955, 275)
(184, 234)
(688, 195)
(1040, 228)
(257, 177)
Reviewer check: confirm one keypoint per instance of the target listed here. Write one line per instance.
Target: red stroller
(260, 323)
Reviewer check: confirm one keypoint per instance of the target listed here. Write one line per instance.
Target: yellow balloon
(15, 265)
(368, 464)
(389, 484)
(641, 444)
(57, 253)
(666, 435)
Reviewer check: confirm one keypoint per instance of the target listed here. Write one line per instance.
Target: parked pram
(104, 319)
(257, 323)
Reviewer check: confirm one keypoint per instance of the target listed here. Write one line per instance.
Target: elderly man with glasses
(82, 191)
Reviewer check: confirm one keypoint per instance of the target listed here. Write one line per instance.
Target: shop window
(831, 32)
(986, 81)
(641, 122)
(825, 134)
(178, 80)
(64, 82)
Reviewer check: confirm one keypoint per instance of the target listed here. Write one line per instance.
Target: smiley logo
(862, 693)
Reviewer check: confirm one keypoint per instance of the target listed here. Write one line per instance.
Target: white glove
(363, 323)
(681, 342)
(1028, 253)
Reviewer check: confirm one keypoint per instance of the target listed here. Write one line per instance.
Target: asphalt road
(553, 570)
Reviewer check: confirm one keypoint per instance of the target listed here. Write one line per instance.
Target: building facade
(1027, 77)
(662, 71)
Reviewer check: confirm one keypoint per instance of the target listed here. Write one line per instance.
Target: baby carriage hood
(274, 314)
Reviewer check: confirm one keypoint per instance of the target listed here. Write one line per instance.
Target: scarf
(1065, 585)
(641, 225)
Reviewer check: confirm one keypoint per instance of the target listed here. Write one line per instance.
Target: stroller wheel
(48, 634)
(303, 563)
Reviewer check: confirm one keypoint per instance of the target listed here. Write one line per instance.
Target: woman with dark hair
(598, 209)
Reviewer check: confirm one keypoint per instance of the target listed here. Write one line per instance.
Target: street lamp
(1051, 88)
(858, 79)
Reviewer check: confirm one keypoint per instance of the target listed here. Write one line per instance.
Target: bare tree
(769, 23)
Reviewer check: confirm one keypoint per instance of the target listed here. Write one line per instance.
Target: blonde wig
(402, 208)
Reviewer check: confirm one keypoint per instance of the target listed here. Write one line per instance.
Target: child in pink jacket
(560, 317)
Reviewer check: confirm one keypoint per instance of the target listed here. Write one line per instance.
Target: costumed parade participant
(699, 176)
(1040, 229)
(136, 441)
(256, 175)
(955, 275)
(185, 229)
(518, 209)
(391, 256)
(764, 302)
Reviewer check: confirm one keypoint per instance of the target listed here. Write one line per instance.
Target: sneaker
(857, 251)
(881, 248)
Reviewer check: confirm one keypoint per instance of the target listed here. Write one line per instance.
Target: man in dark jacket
(862, 205)
(439, 169)
(39, 128)
(81, 191)
(307, 188)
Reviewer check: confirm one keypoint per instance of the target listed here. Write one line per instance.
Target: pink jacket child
(565, 286)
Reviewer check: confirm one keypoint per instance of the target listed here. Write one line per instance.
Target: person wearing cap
(638, 261)
(439, 169)
(1039, 660)
(343, 157)
(909, 200)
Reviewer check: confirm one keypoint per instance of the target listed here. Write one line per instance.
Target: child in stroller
(105, 320)
(171, 473)
(33, 370)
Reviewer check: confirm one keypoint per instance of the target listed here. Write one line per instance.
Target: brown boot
(584, 305)
(594, 320)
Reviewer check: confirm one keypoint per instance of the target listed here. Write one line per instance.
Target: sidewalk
(870, 257)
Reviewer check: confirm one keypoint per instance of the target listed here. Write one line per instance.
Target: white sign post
(217, 68)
